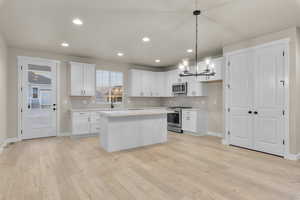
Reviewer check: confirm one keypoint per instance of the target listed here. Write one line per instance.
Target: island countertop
(134, 112)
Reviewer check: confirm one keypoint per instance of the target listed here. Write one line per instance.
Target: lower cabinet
(84, 123)
(194, 121)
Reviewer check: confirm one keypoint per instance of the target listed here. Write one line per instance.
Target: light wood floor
(185, 168)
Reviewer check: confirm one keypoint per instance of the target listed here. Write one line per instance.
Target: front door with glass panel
(38, 97)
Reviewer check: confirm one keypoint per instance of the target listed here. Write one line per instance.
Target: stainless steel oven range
(175, 119)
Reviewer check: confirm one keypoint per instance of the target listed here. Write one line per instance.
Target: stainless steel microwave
(179, 88)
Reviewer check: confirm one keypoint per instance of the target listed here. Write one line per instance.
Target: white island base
(122, 130)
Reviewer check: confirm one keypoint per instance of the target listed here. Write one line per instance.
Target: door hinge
(21, 132)
(283, 112)
(283, 82)
(21, 67)
(21, 110)
(21, 89)
(283, 142)
(228, 132)
(283, 53)
(228, 109)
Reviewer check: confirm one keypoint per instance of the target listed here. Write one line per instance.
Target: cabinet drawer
(81, 114)
(95, 128)
(80, 126)
(95, 117)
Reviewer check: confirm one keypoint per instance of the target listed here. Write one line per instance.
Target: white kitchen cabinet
(194, 121)
(146, 83)
(195, 87)
(168, 84)
(171, 77)
(89, 80)
(84, 123)
(76, 79)
(80, 123)
(158, 87)
(159, 84)
(82, 79)
(219, 68)
(136, 83)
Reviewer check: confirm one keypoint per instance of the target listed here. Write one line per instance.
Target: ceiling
(111, 26)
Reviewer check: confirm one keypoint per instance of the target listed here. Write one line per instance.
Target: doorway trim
(20, 61)
(286, 42)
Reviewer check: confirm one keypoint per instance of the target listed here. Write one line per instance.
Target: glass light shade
(185, 63)
(181, 67)
(207, 61)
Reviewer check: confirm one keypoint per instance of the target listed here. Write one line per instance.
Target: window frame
(37, 92)
(110, 87)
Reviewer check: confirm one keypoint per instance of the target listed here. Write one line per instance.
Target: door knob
(249, 112)
(255, 112)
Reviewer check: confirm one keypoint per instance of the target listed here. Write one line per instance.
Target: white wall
(298, 90)
(294, 76)
(3, 90)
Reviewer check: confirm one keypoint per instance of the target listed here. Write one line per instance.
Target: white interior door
(38, 98)
(240, 91)
(269, 99)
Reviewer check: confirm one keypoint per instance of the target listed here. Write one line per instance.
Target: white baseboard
(12, 140)
(224, 142)
(7, 142)
(292, 157)
(2, 146)
(215, 134)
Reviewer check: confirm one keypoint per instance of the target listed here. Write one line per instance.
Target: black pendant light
(184, 66)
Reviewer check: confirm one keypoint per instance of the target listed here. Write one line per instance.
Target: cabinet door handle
(249, 112)
(255, 112)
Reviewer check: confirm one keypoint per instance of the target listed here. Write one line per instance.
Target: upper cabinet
(159, 84)
(218, 63)
(82, 79)
(146, 83)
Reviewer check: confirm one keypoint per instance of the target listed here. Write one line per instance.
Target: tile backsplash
(198, 102)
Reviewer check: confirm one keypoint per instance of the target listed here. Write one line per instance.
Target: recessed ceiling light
(120, 54)
(64, 44)
(157, 61)
(77, 21)
(189, 50)
(146, 39)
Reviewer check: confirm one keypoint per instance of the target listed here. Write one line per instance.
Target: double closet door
(255, 98)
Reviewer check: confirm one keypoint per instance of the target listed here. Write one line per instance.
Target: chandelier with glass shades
(185, 67)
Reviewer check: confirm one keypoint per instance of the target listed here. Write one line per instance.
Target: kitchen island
(127, 129)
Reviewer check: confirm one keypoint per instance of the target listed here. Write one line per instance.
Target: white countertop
(194, 109)
(115, 109)
(127, 113)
